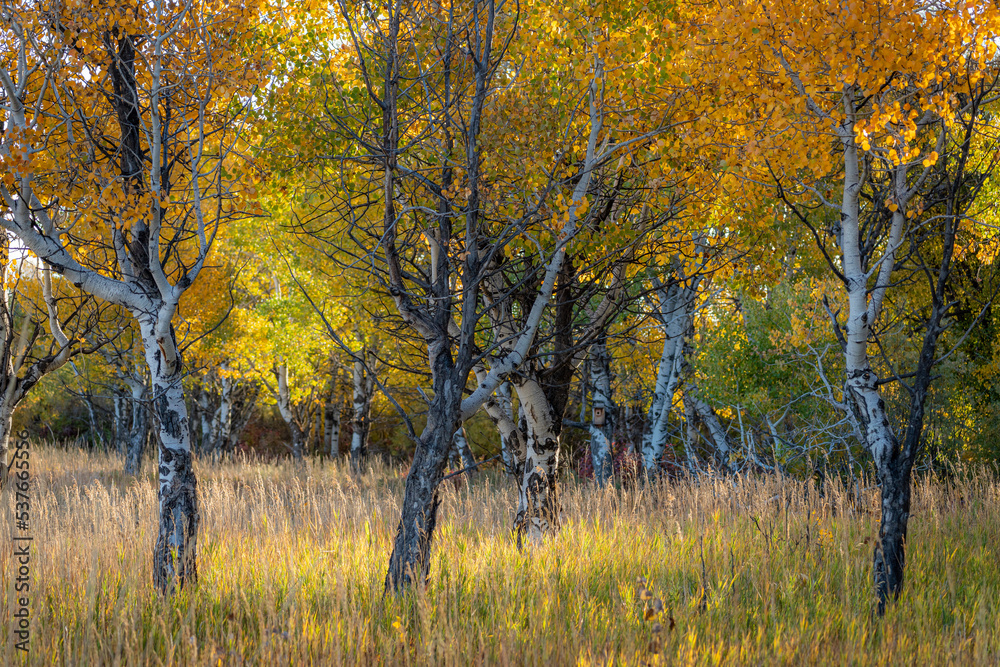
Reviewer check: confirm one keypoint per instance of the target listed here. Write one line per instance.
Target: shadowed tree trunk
(603, 409)
(364, 387)
(410, 559)
(331, 423)
(695, 408)
(137, 432)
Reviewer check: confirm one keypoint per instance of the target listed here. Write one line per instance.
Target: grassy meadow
(292, 559)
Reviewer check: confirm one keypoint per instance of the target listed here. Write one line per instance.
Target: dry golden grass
(292, 560)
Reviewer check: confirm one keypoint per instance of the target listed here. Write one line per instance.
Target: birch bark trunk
(364, 387)
(673, 316)
(331, 418)
(136, 442)
(861, 386)
(461, 453)
(6, 422)
(119, 430)
(602, 436)
(205, 419)
(222, 420)
(285, 407)
(538, 510)
(176, 544)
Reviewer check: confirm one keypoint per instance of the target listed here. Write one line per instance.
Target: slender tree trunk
(364, 385)
(602, 435)
(222, 420)
(6, 422)
(137, 432)
(410, 559)
(94, 436)
(673, 316)
(331, 412)
(720, 440)
(691, 433)
(119, 429)
(298, 440)
(205, 418)
(244, 402)
(285, 407)
(174, 556)
(861, 387)
(461, 452)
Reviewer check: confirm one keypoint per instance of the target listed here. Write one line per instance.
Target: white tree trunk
(205, 418)
(674, 319)
(176, 544)
(137, 431)
(538, 507)
(500, 409)
(364, 387)
(285, 407)
(462, 453)
(119, 427)
(222, 421)
(6, 420)
(861, 386)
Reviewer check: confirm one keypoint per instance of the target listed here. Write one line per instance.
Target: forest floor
(292, 561)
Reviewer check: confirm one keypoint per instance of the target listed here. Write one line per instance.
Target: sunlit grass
(292, 561)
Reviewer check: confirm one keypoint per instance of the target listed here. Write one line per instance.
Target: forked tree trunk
(176, 544)
(861, 387)
(500, 409)
(674, 320)
(602, 435)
